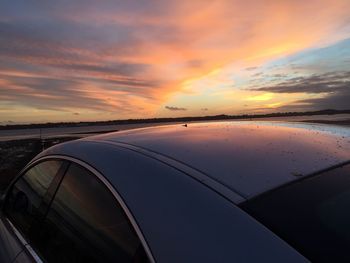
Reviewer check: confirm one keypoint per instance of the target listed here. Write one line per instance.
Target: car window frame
(27, 168)
(68, 160)
(52, 188)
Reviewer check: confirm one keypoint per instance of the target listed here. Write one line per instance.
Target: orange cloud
(132, 60)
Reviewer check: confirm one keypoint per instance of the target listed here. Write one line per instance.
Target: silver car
(205, 192)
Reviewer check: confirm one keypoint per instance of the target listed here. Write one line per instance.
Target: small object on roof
(297, 174)
(185, 125)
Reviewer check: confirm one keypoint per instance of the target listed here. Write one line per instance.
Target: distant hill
(179, 119)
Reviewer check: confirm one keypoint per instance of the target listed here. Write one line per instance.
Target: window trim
(23, 241)
(26, 169)
(106, 183)
(26, 246)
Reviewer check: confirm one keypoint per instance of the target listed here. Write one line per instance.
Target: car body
(184, 193)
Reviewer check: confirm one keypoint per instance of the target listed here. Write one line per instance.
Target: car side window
(24, 199)
(85, 223)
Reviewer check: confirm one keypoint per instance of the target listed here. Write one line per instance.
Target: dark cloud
(251, 68)
(279, 75)
(204, 109)
(337, 100)
(334, 88)
(324, 83)
(258, 74)
(139, 86)
(171, 108)
(124, 69)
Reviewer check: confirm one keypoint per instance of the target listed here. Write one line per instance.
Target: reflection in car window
(86, 224)
(25, 197)
(312, 215)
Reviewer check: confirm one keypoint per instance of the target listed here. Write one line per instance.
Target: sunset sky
(88, 60)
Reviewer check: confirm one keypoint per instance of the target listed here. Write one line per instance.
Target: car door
(85, 223)
(24, 207)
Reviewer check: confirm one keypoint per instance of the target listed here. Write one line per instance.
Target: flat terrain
(85, 130)
(18, 147)
(15, 154)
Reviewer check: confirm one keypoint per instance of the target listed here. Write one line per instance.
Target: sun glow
(262, 97)
(130, 61)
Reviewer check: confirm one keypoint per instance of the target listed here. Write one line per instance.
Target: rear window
(312, 215)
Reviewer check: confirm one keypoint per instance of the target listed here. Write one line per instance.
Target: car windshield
(312, 215)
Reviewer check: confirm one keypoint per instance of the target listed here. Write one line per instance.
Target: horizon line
(174, 119)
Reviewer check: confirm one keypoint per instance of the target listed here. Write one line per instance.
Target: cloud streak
(324, 83)
(334, 88)
(172, 108)
(125, 58)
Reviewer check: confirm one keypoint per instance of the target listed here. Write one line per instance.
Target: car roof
(158, 195)
(249, 157)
